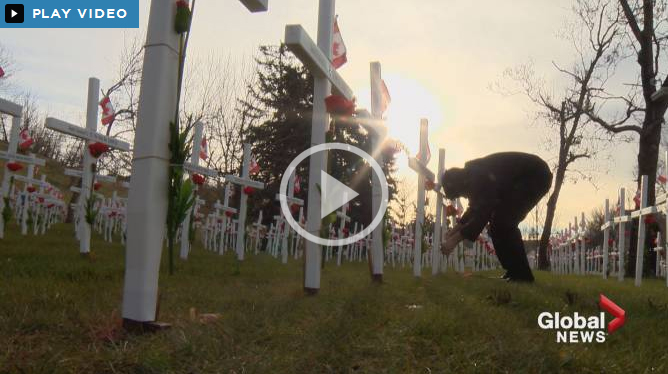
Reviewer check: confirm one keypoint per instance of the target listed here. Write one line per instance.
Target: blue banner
(97, 14)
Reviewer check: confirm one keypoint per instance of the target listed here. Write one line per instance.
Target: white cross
(147, 199)
(193, 167)
(641, 214)
(89, 134)
(419, 217)
(291, 200)
(621, 220)
(317, 58)
(607, 225)
(244, 181)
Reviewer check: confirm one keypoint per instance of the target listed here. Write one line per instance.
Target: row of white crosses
(570, 255)
(16, 112)
(90, 135)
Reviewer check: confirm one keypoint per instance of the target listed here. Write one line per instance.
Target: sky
(439, 59)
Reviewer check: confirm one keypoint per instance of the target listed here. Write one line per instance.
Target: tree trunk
(543, 261)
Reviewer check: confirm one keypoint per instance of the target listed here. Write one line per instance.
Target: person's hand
(452, 238)
(448, 246)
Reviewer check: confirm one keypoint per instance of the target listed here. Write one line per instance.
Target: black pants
(515, 204)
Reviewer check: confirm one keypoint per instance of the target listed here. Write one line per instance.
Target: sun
(411, 101)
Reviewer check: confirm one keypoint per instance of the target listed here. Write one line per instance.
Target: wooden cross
(640, 214)
(291, 201)
(607, 225)
(419, 217)
(89, 134)
(621, 220)
(147, 198)
(193, 167)
(317, 58)
(14, 110)
(436, 244)
(244, 181)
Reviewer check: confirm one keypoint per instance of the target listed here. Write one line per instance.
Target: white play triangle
(334, 194)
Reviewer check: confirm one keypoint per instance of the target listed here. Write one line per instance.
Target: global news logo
(581, 329)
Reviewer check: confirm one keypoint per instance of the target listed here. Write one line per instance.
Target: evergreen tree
(284, 91)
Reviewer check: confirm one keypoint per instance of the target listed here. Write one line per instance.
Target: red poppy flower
(97, 149)
(229, 213)
(429, 185)
(248, 190)
(198, 179)
(50, 206)
(650, 219)
(346, 231)
(97, 186)
(611, 242)
(31, 189)
(294, 208)
(450, 211)
(14, 166)
(182, 4)
(339, 105)
(40, 199)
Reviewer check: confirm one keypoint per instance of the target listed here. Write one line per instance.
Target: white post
(419, 218)
(436, 244)
(245, 174)
(621, 238)
(318, 161)
(88, 161)
(378, 137)
(606, 238)
(26, 206)
(640, 248)
(7, 174)
(147, 200)
(194, 159)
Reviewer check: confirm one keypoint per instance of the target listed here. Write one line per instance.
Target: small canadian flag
(662, 179)
(298, 184)
(204, 149)
(25, 139)
(254, 166)
(2, 72)
(385, 97)
(107, 111)
(339, 56)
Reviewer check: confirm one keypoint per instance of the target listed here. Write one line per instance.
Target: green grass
(60, 313)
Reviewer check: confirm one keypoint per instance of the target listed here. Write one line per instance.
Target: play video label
(72, 14)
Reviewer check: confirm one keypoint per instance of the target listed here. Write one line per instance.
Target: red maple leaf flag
(107, 110)
(2, 72)
(662, 179)
(254, 166)
(338, 47)
(25, 141)
(298, 182)
(385, 99)
(426, 158)
(204, 149)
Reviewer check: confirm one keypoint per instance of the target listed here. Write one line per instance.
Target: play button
(13, 13)
(333, 195)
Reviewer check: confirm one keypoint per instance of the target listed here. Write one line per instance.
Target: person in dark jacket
(501, 189)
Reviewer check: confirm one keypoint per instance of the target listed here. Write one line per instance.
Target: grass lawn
(60, 313)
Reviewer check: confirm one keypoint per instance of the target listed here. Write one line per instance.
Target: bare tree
(646, 34)
(595, 38)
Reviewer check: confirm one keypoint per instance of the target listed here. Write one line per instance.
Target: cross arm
(301, 44)
(255, 6)
(22, 158)
(244, 182)
(192, 168)
(80, 132)
(10, 108)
